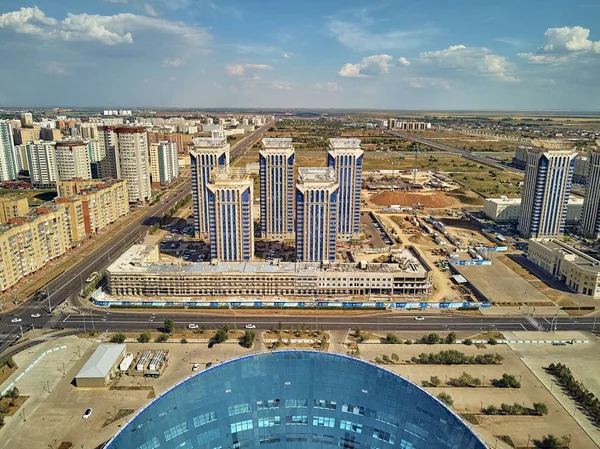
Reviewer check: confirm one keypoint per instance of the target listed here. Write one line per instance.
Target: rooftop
(277, 142)
(503, 200)
(101, 361)
(229, 174)
(573, 255)
(210, 142)
(343, 142)
(316, 174)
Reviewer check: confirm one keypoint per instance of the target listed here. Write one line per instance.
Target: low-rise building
(12, 207)
(508, 210)
(139, 272)
(101, 367)
(576, 269)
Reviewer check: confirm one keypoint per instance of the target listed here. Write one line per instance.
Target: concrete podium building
(101, 367)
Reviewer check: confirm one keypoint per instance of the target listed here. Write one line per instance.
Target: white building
(276, 168)
(508, 210)
(164, 162)
(546, 189)
(72, 160)
(42, 163)
(590, 221)
(208, 154)
(9, 166)
(134, 162)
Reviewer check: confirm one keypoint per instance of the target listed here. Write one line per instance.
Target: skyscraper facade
(164, 162)
(546, 189)
(231, 218)
(108, 153)
(41, 156)
(316, 214)
(72, 160)
(134, 162)
(208, 154)
(8, 163)
(276, 165)
(346, 158)
(590, 219)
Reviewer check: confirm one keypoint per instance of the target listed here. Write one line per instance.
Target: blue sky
(517, 55)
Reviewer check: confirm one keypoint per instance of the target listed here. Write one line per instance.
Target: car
(195, 367)
(87, 413)
(419, 318)
(16, 320)
(92, 276)
(36, 315)
(192, 326)
(250, 326)
(209, 364)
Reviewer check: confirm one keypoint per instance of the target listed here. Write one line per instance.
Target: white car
(250, 326)
(16, 320)
(419, 318)
(87, 413)
(36, 315)
(195, 367)
(192, 326)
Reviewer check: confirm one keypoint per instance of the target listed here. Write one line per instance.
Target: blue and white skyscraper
(546, 189)
(316, 214)
(231, 216)
(8, 164)
(346, 158)
(208, 154)
(590, 219)
(277, 188)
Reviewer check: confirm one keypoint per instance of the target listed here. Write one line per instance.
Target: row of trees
(538, 409)
(466, 380)
(454, 357)
(581, 395)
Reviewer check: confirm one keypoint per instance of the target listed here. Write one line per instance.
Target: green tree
(540, 408)
(391, 339)
(162, 338)
(468, 342)
(248, 339)
(446, 399)
(280, 327)
(431, 339)
(435, 381)
(465, 380)
(395, 357)
(168, 325)
(491, 410)
(145, 337)
(119, 337)
(507, 381)
(550, 442)
(13, 393)
(183, 341)
(221, 335)
(1, 419)
(450, 338)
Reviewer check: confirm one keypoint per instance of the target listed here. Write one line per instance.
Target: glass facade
(296, 399)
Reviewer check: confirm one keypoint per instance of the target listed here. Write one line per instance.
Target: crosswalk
(8, 337)
(535, 323)
(52, 322)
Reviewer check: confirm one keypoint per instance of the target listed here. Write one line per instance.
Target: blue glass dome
(296, 399)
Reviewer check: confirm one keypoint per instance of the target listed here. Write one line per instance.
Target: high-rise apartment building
(24, 135)
(164, 162)
(12, 207)
(346, 157)
(41, 156)
(590, 219)
(26, 118)
(134, 162)
(316, 214)
(231, 216)
(9, 167)
(276, 165)
(50, 134)
(108, 153)
(546, 189)
(208, 154)
(72, 160)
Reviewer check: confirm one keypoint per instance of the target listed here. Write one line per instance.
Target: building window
(238, 409)
(209, 436)
(354, 409)
(150, 444)
(353, 427)
(271, 403)
(329, 405)
(323, 421)
(204, 419)
(296, 420)
(175, 431)
(296, 403)
(269, 422)
(241, 426)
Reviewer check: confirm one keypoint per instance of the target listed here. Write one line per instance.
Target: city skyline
(309, 55)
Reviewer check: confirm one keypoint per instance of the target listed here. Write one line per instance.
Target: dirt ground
(434, 200)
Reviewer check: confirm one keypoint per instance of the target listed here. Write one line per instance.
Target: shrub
(10, 363)
(446, 399)
(386, 359)
(248, 339)
(119, 337)
(1, 419)
(550, 442)
(454, 357)
(491, 410)
(435, 381)
(492, 341)
(168, 325)
(221, 335)
(465, 380)
(395, 357)
(183, 341)
(162, 338)
(391, 339)
(540, 408)
(431, 339)
(145, 337)
(467, 342)
(507, 381)
(450, 338)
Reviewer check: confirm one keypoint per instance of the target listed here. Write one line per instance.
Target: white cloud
(280, 85)
(357, 37)
(403, 61)
(285, 56)
(369, 66)
(54, 68)
(330, 86)
(563, 45)
(172, 79)
(246, 70)
(423, 82)
(471, 59)
(150, 10)
(173, 62)
(533, 58)
(109, 30)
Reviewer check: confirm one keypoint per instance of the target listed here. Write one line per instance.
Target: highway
(66, 287)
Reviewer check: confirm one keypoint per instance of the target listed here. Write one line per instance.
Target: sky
(381, 54)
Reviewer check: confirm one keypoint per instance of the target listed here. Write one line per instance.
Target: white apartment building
(508, 210)
(72, 160)
(164, 162)
(132, 143)
(9, 167)
(42, 163)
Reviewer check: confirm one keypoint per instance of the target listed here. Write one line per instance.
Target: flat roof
(507, 201)
(210, 142)
(581, 259)
(344, 142)
(277, 142)
(316, 174)
(101, 362)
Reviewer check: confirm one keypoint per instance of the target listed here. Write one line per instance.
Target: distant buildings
(408, 125)
(132, 143)
(346, 157)
(207, 155)
(590, 220)
(108, 153)
(26, 118)
(43, 170)
(508, 210)
(164, 162)
(546, 189)
(276, 168)
(12, 207)
(316, 214)
(231, 217)
(8, 156)
(72, 160)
